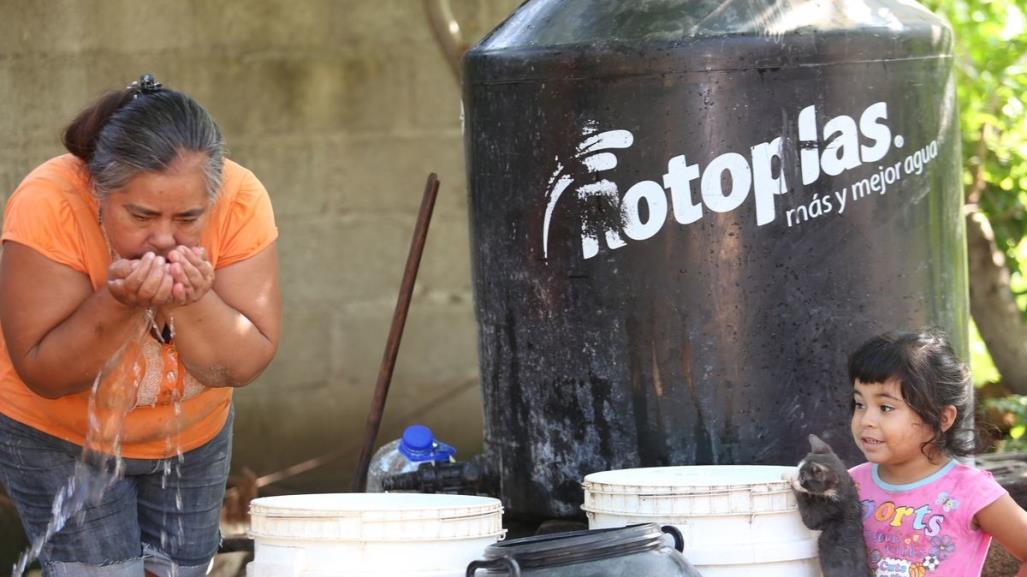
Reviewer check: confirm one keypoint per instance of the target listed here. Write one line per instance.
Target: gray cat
(829, 503)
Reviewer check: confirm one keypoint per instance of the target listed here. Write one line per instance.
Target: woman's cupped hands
(181, 278)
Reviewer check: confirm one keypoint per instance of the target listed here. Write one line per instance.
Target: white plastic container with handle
(365, 534)
(737, 520)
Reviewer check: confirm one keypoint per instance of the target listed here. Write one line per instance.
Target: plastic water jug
(404, 455)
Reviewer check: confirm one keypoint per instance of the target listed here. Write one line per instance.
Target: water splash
(173, 467)
(112, 396)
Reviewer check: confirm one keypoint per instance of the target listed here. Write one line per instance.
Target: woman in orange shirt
(144, 234)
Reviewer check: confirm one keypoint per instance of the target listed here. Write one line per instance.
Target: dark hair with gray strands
(133, 131)
(931, 376)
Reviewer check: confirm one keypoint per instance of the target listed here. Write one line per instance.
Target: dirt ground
(1000, 564)
(225, 565)
(231, 564)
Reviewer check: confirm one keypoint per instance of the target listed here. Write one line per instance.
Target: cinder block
(36, 110)
(282, 25)
(439, 345)
(333, 425)
(44, 93)
(446, 266)
(266, 25)
(73, 28)
(336, 260)
(44, 27)
(19, 161)
(274, 432)
(452, 174)
(399, 22)
(386, 172)
(287, 422)
(295, 170)
(307, 93)
(304, 350)
(129, 26)
(358, 336)
(435, 90)
(286, 426)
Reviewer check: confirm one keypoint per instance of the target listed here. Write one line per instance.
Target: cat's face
(817, 475)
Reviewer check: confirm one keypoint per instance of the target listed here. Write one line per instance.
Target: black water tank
(685, 214)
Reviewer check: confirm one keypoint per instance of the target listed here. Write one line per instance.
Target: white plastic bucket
(737, 520)
(371, 534)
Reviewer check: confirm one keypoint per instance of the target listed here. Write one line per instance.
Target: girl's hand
(145, 282)
(192, 273)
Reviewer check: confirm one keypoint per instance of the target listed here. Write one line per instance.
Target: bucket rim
(271, 538)
(386, 505)
(688, 479)
(675, 518)
(653, 492)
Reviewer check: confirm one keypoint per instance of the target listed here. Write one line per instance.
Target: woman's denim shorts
(167, 524)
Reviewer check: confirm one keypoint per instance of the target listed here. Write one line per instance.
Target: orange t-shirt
(53, 211)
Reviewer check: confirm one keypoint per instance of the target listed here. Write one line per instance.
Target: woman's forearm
(219, 345)
(68, 358)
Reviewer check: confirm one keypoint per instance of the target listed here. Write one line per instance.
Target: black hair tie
(146, 84)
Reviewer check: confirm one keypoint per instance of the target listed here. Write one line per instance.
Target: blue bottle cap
(417, 439)
(419, 445)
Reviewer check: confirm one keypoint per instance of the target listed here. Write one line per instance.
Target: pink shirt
(926, 527)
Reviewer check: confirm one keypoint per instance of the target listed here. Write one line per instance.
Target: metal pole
(399, 317)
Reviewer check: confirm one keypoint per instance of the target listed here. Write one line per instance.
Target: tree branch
(993, 305)
(992, 302)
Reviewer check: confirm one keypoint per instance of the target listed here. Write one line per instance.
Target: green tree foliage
(991, 67)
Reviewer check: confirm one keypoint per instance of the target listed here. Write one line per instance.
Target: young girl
(924, 513)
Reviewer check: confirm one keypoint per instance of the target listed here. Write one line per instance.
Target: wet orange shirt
(53, 211)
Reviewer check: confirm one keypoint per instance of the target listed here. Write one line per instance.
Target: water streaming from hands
(173, 467)
(113, 395)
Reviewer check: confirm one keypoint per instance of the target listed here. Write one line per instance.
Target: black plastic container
(685, 214)
(638, 550)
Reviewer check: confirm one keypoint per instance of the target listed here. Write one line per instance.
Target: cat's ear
(819, 446)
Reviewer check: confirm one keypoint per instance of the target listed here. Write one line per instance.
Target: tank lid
(553, 23)
(561, 549)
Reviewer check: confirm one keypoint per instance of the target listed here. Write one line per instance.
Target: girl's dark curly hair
(931, 376)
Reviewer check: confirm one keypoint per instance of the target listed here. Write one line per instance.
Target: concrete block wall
(341, 107)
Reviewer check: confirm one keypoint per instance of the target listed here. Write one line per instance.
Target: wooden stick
(399, 317)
